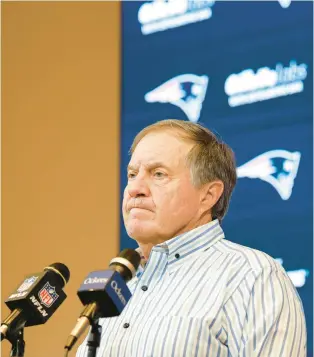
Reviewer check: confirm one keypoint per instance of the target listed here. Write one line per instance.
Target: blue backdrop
(244, 70)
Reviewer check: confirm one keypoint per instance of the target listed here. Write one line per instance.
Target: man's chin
(140, 232)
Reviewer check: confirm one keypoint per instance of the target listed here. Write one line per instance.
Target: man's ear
(212, 191)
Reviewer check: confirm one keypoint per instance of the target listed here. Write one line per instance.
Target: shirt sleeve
(265, 317)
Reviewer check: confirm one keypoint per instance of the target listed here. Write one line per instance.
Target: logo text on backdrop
(248, 87)
(160, 15)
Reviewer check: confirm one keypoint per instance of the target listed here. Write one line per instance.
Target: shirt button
(126, 325)
(144, 288)
(177, 256)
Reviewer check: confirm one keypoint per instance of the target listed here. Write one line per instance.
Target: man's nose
(138, 187)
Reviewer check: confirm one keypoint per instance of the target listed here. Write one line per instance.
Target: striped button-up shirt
(201, 295)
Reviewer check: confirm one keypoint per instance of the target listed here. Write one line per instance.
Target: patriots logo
(284, 3)
(48, 295)
(187, 91)
(277, 167)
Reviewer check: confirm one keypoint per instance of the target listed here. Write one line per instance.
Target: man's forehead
(156, 158)
(135, 165)
(161, 147)
(161, 143)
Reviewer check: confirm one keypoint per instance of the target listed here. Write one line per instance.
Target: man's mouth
(140, 208)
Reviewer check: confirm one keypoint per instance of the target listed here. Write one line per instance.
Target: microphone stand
(93, 341)
(18, 344)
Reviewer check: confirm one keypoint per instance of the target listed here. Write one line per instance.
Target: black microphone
(104, 292)
(36, 299)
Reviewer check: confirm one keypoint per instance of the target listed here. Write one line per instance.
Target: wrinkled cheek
(125, 192)
(124, 206)
(126, 197)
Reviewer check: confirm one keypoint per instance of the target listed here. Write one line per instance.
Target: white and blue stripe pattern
(207, 297)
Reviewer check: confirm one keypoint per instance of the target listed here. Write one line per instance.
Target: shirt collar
(187, 245)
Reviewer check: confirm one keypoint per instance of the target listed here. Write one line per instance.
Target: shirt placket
(147, 281)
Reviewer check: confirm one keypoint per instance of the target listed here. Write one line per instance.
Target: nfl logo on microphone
(48, 295)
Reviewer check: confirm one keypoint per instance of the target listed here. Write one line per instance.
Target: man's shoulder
(243, 266)
(254, 259)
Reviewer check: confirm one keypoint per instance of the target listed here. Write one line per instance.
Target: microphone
(36, 299)
(104, 292)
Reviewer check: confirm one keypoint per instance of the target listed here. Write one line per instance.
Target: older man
(197, 294)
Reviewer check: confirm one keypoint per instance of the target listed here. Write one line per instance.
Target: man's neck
(147, 247)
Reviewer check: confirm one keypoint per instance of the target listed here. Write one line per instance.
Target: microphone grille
(132, 256)
(60, 269)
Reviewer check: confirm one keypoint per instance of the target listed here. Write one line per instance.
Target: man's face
(160, 201)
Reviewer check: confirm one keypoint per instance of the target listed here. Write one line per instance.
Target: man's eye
(131, 175)
(159, 174)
